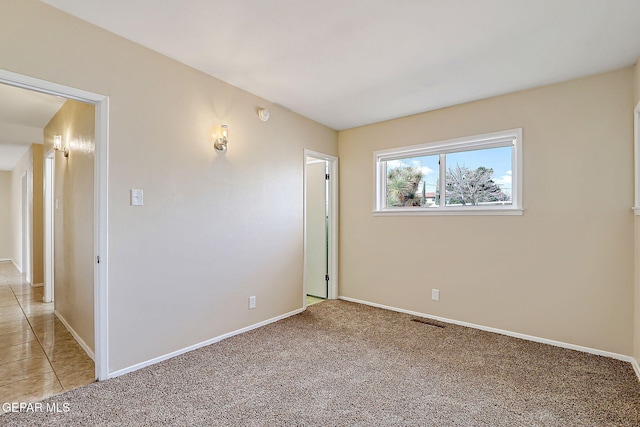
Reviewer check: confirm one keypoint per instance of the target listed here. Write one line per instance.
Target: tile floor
(313, 300)
(38, 355)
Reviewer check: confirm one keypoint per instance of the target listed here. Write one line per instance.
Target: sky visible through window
(498, 159)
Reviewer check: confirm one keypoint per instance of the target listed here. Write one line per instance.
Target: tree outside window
(478, 175)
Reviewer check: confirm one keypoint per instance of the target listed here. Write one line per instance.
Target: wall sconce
(57, 145)
(221, 142)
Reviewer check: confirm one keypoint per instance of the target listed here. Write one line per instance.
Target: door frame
(100, 270)
(636, 157)
(27, 203)
(49, 215)
(332, 288)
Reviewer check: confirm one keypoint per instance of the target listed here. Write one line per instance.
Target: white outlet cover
(435, 294)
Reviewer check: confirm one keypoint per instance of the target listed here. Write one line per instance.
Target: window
(476, 175)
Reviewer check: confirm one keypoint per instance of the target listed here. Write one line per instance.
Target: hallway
(38, 356)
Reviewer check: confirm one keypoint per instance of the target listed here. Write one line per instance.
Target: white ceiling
(346, 63)
(23, 115)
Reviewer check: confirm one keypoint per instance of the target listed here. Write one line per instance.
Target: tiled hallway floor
(313, 300)
(38, 356)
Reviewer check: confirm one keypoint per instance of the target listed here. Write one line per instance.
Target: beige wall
(25, 165)
(73, 218)
(5, 215)
(215, 228)
(31, 165)
(562, 271)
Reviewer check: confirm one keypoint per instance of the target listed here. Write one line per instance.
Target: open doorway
(97, 251)
(320, 227)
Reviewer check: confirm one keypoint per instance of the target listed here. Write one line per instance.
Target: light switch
(137, 198)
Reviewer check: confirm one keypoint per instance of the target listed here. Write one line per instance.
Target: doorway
(320, 227)
(100, 253)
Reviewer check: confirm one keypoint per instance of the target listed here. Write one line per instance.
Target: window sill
(451, 211)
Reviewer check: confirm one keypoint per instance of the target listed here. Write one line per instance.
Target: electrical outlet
(435, 294)
(252, 302)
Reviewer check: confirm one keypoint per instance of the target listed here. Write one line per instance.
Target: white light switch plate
(137, 198)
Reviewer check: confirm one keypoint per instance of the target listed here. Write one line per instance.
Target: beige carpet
(343, 364)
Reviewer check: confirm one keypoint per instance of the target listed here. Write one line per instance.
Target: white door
(48, 227)
(316, 228)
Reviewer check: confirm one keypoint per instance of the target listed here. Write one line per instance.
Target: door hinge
(326, 277)
(327, 176)
(98, 259)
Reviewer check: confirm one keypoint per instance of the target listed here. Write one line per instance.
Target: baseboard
(202, 344)
(37, 285)
(84, 345)
(504, 332)
(636, 367)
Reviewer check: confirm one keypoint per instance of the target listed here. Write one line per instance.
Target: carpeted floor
(370, 367)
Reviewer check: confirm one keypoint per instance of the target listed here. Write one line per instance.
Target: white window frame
(506, 138)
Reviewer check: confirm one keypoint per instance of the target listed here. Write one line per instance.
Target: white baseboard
(202, 344)
(636, 368)
(84, 345)
(622, 357)
(37, 285)
(12, 262)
